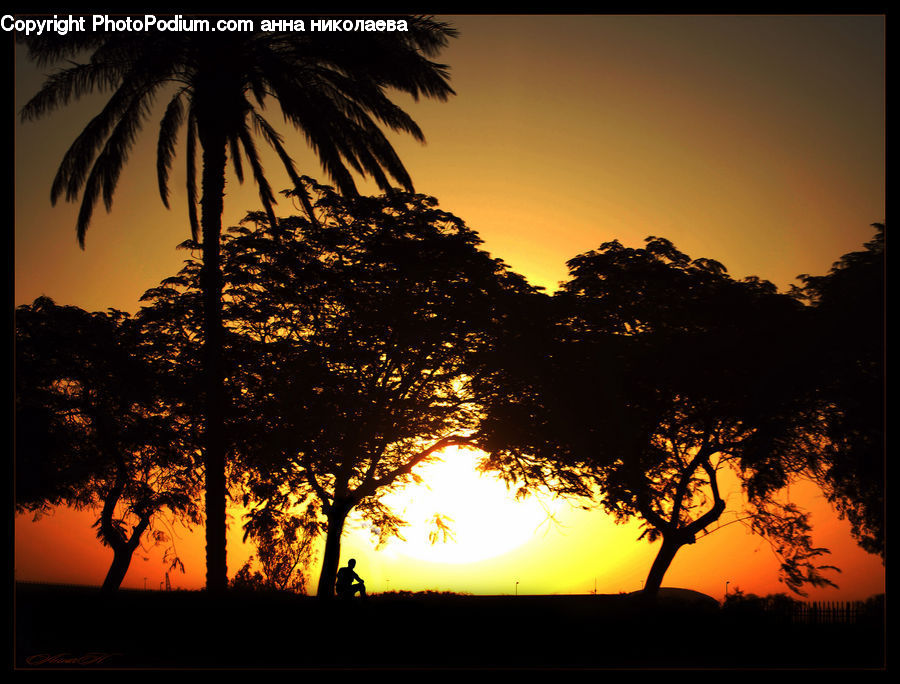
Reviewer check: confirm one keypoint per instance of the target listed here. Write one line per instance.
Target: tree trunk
(660, 564)
(111, 534)
(123, 551)
(118, 569)
(212, 140)
(332, 556)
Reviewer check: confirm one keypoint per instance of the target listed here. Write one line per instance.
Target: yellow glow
(484, 517)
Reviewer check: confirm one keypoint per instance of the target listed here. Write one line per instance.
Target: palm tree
(331, 86)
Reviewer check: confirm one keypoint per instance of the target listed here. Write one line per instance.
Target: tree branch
(715, 512)
(371, 486)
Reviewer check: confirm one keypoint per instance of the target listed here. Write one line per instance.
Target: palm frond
(70, 84)
(50, 47)
(165, 149)
(106, 169)
(78, 158)
(276, 142)
(191, 160)
(429, 35)
(266, 195)
(234, 145)
(357, 96)
(317, 120)
(115, 153)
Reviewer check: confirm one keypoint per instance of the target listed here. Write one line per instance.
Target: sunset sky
(757, 141)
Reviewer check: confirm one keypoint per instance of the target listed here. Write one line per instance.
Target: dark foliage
(647, 374)
(331, 87)
(848, 319)
(356, 339)
(95, 428)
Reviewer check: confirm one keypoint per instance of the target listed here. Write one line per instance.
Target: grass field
(79, 628)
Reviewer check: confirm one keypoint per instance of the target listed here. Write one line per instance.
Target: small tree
(284, 554)
(655, 372)
(94, 430)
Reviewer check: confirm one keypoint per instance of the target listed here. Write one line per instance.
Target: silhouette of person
(345, 585)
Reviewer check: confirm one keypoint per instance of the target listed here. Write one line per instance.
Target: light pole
(727, 582)
(517, 587)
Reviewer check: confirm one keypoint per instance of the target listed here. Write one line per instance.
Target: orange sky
(756, 141)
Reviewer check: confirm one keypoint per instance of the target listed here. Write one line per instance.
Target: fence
(830, 612)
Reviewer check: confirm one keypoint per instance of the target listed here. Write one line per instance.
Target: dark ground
(78, 628)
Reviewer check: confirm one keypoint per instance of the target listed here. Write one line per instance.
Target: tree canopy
(654, 372)
(356, 339)
(94, 429)
(849, 336)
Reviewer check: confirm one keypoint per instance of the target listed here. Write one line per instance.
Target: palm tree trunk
(332, 556)
(212, 140)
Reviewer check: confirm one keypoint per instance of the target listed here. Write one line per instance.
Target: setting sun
(483, 517)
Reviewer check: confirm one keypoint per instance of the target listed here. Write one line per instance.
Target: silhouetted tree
(752, 608)
(94, 429)
(331, 86)
(284, 554)
(356, 338)
(653, 373)
(848, 334)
